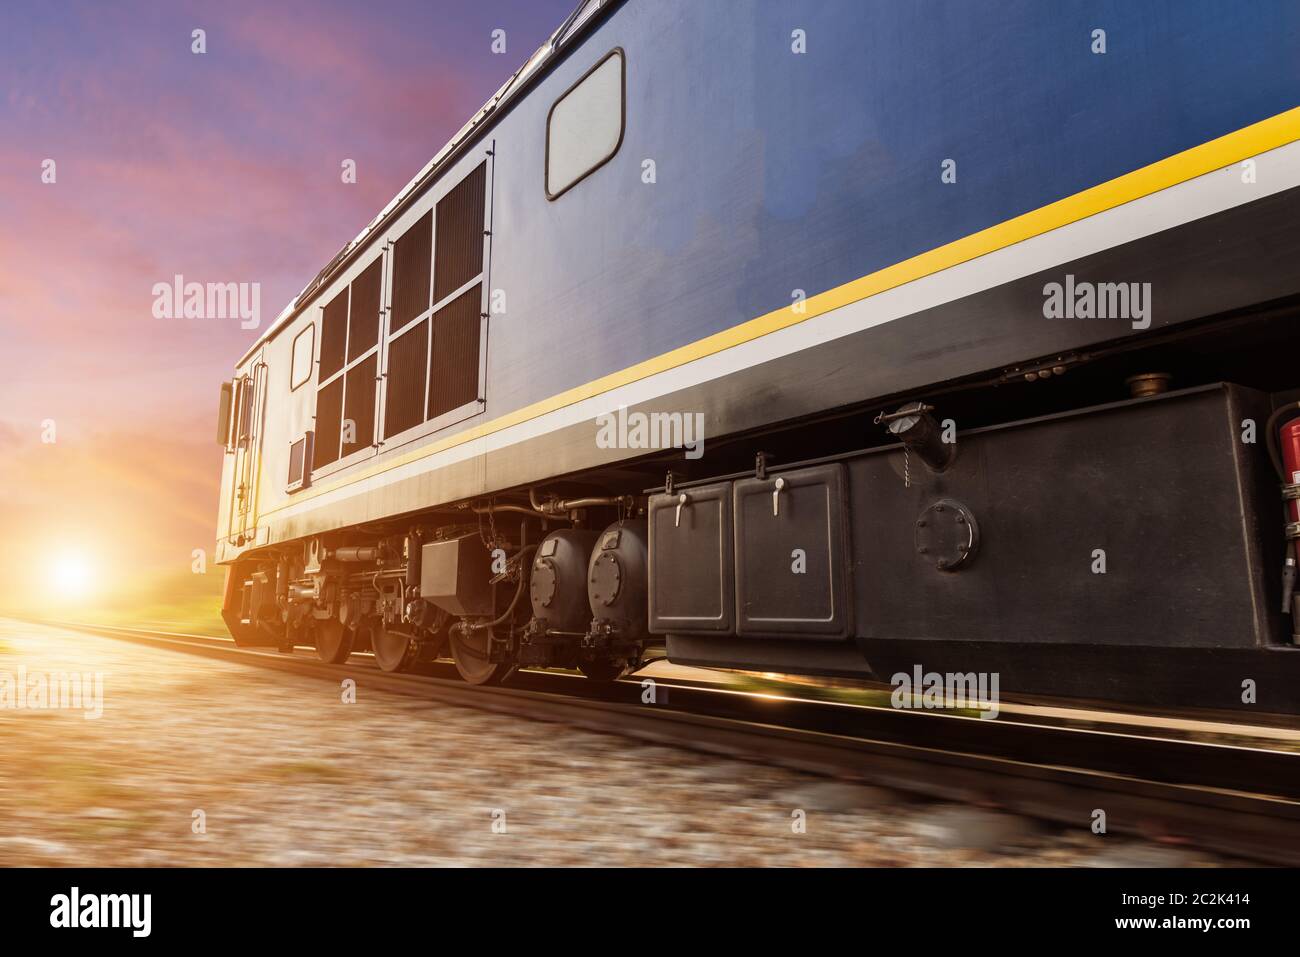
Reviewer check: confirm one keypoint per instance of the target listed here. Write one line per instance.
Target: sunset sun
(71, 576)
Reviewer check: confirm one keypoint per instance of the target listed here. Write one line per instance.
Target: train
(820, 338)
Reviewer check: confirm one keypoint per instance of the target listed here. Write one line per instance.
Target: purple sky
(222, 167)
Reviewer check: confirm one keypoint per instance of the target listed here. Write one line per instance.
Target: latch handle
(681, 500)
(776, 497)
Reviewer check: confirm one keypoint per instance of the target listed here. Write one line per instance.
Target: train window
(224, 414)
(304, 354)
(238, 385)
(585, 126)
(299, 453)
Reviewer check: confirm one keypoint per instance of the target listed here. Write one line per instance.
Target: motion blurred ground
(285, 773)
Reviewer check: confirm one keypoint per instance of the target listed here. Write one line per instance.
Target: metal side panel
(791, 557)
(692, 572)
(1126, 524)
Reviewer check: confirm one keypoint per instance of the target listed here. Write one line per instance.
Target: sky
(220, 166)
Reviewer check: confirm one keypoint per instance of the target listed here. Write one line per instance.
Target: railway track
(1238, 801)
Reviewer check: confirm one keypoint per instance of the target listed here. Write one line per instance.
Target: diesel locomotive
(829, 338)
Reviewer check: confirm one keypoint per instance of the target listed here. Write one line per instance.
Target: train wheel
(603, 672)
(469, 649)
(333, 641)
(394, 650)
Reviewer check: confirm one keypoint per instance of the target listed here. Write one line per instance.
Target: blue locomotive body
(778, 171)
(777, 222)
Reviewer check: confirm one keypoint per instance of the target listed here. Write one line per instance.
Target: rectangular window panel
(585, 126)
(459, 248)
(359, 407)
(411, 271)
(304, 347)
(407, 365)
(225, 414)
(363, 329)
(329, 416)
(453, 368)
(297, 458)
(333, 335)
(298, 452)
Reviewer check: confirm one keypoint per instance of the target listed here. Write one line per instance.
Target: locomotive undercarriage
(870, 540)
(508, 589)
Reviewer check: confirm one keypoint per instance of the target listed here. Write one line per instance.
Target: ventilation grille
(407, 365)
(364, 329)
(453, 370)
(459, 249)
(411, 272)
(329, 416)
(359, 407)
(333, 335)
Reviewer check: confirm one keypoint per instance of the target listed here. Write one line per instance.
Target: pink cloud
(224, 167)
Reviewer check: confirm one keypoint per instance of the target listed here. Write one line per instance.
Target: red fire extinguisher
(1291, 461)
(1286, 460)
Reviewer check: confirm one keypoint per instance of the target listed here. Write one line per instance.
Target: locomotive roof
(573, 26)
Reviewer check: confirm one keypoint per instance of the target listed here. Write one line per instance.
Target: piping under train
(820, 338)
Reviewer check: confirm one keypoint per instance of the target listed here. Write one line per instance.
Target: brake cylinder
(558, 584)
(617, 579)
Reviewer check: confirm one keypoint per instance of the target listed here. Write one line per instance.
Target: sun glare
(71, 576)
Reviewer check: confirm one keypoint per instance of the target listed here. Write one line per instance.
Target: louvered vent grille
(359, 407)
(433, 368)
(411, 272)
(333, 335)
(407, 358)
(459, 247)
(329, 415)
(364, 329)
(453, 371)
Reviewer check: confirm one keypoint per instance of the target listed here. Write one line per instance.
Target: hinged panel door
(692, 581)
(791, 554)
